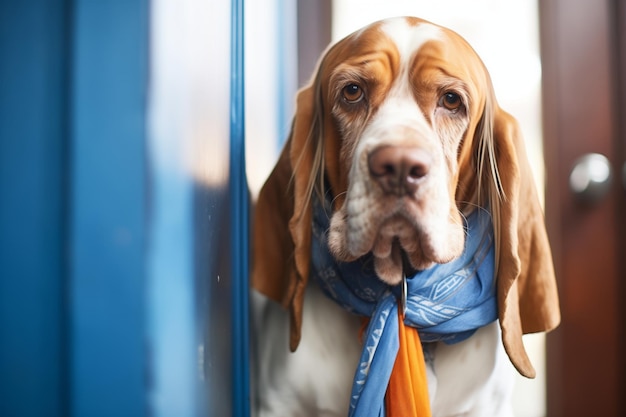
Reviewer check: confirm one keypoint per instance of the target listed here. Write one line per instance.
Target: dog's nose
(399, 169)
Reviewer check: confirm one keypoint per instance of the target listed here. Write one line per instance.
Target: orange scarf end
(407, 393)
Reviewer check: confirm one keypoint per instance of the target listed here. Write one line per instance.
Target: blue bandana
(447, 302)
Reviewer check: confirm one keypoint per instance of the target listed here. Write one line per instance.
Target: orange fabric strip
(407, 393)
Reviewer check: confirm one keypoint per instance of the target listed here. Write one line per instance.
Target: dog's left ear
(282, 219)
(526, 284)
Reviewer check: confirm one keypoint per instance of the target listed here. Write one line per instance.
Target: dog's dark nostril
(389, 170)
(398, 169)
(418, 171)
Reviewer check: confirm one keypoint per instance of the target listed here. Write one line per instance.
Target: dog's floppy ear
(282, 219)
(526, 286)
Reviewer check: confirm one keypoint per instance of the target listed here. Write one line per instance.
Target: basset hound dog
(403, 193)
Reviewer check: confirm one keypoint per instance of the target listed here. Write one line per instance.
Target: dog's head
(401, 122)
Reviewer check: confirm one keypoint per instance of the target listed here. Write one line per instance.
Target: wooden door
(583, 55)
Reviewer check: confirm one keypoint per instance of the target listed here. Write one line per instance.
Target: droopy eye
(451, 101)
(352, 93)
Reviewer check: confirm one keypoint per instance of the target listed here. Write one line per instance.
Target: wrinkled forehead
(407, 43)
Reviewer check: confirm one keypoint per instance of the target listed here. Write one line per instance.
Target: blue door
(124, 209)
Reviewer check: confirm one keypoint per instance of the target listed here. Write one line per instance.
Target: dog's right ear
(527, 292)
(282, 218)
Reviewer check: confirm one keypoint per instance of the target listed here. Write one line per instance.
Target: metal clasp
(404, 293)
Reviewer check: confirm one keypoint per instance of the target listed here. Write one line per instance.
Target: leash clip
(404, 293)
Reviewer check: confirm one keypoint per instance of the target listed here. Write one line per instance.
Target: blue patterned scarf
(447, 302)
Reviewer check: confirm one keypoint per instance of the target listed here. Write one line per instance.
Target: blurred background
(133, 132)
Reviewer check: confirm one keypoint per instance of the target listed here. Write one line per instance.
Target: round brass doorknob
(590, 179)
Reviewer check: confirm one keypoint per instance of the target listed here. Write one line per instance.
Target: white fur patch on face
(409, 38)
(418, 223)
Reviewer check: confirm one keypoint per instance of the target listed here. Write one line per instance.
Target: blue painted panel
(33, 108)
(214, 274)
(108, 232)
(240, 217)
(171, 286)
(189, 275)
(94, 232)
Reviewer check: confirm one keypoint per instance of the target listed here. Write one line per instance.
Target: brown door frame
(582, 110)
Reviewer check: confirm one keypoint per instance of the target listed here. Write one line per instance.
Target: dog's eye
(451, 101)
(352, 93)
